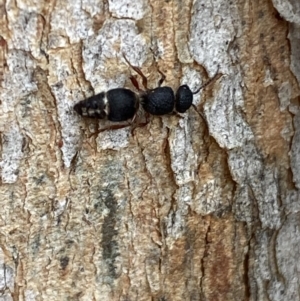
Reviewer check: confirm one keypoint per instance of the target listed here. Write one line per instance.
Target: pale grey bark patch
(114, 139)
(295, 151)
(285, 94)
(223, 114)
(246, 164)
(287, 256)
(7, 297)
(70, 23)
(183, 157)
(70, 127)
(57, 40)
(128, 9)
(30, 7)
(212, 31)
(12, 153)
(24, 29)
(114, 38)
(247, 168)
(7, 276)
(109, 201)
(288, 9)
(291, 202)
(269, 202)
(261, 266)
(193, 79)
(152, 271)
(288, 131)
(175, 224)
(19, 80)
(276, 289)
(93, 7)
(31, 295)
(210, 197)
(109, 241)
(294, 37)
(184, 197)
(35, 244)
(244, 204)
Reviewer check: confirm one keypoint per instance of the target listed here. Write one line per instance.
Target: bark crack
(205, 254)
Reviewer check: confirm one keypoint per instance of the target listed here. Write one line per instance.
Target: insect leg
(138, 70)
(135, 83)
(163, 77)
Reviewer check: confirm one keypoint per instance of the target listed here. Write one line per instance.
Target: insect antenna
(215, 77)
(138, 71)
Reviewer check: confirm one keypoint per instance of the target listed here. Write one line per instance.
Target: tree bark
(202, 206)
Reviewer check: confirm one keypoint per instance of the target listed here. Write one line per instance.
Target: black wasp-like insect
(122, 104)
(161, 100)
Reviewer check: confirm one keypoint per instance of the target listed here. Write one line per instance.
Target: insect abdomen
(122, 104)
(92, 107)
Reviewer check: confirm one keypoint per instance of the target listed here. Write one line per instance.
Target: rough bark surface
(184, 208)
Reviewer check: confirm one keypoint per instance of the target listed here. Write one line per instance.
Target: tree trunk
(202, 206)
